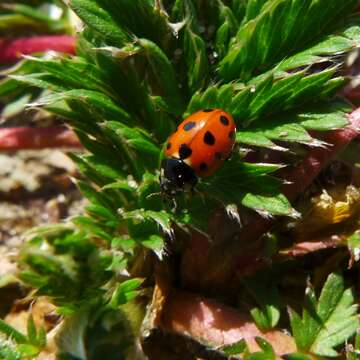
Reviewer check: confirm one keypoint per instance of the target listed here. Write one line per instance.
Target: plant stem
(11, 50)
(21, 138)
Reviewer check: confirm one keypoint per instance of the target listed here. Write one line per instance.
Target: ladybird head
(176, 177)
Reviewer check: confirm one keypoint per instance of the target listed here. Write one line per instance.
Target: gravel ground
(35, 189)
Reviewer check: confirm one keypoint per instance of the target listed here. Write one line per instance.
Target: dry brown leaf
(213, 323)
(332, 207)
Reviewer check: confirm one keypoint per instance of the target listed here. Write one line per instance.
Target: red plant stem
(22, 138)
(11, 50)
(303, 175)
(306, 247)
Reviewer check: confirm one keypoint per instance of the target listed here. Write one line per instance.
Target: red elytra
(203, 141)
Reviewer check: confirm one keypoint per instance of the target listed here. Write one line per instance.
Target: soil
(35, 189)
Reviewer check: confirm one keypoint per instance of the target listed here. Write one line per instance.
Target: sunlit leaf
(328, 321)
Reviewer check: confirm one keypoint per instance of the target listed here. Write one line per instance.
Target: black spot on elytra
(209, 138)
(184, 151)
(218, 156)
(232, 135)
(168, 146)
(190, 125)
(224, 120)
(203, 166)
(208, 110)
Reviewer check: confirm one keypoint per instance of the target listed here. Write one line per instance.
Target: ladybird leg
(188, 196)
(174, 205)
(170, 202)
(153, 194)
(196, 191)
(242, 151)
(236, 148)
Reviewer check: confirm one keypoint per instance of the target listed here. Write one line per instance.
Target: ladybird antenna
(174, 205)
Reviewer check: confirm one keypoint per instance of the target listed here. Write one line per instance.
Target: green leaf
(125, 292)
(47, 231)
(42, 340)
(118, 264)
(28, 350)
(239, 8)
(293, 126)
(161, 218)
(267, 352)
(136, 138)
(101, 21)
(122, 185)
(330, 46)
(319, 53)
(195, 213)
(47, 264)
(235, 348)
(324, 117)
(62, 73)
(328, 322)
(354, 351)
(185, 10)
(15, 107)
(105, 167)
(257, 138)
(39, 80)
(99, 173)
(264, 290)
(27, 19)
(268, 205)
(31, 331)
(196, 60)
(93, 195)
(124, 243)
(258, 44)
(165, 75)
(136, 146)
(155, 243)
(100, 104)
(12, 21)
(28, 11)
(149, 194)
(8, 351)
(266, 95)
(226, 31)
(12, 333)
(141, 17)
(342, 327)
(274, 129)
(253, 9)
(297, 356)
(233, 183)
(96, 228)
(9, 87)
(354, 246)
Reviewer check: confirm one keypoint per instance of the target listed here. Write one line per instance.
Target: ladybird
(199, 146)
